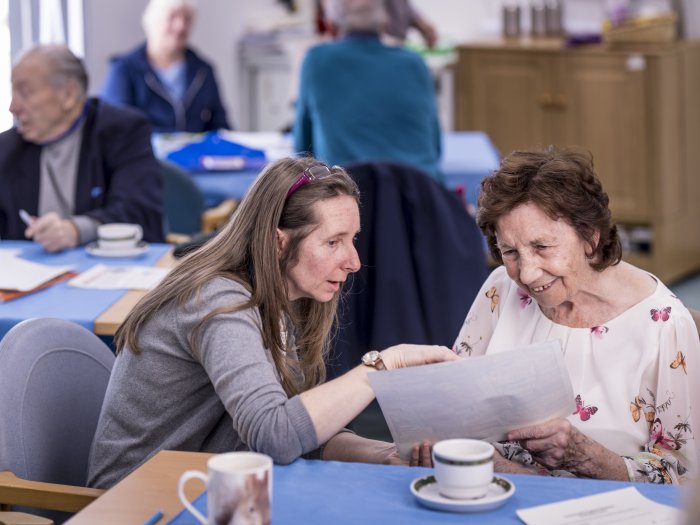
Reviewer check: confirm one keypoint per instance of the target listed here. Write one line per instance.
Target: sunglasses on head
(319, 171)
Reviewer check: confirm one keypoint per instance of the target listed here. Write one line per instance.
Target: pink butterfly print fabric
(658, 437)
(599, 331)
(525, 299)
(660, 315)
(584, 411)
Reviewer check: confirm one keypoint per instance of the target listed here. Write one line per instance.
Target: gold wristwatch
(374, 359)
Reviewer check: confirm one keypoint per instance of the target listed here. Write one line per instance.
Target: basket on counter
(656, 30)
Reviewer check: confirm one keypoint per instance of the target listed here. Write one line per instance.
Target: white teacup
(118, 236)
(463, 467)
(239, 489)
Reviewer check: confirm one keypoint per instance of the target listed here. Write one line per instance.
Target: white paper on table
(617, 507)
(103, 277)
(478, 397)
(10, 252)
(22, 275)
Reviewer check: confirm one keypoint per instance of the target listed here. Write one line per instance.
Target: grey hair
(64, 66)
(356, 15)
(157, 8)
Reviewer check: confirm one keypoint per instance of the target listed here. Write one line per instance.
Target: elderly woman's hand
(401, 356)
(421, 456)
(557, 444)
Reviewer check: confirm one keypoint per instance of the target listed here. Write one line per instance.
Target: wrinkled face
(327, 255)
(173, 32)
(545, 257)
(41, 111)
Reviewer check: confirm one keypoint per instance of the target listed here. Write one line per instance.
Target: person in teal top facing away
(360, 100)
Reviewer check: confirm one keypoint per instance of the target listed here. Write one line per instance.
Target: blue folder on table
(214, 153)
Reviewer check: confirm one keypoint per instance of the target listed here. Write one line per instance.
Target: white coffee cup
(118, 236)
(463, 467)
(239, 489)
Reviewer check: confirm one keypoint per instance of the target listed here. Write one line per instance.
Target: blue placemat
(328, 492)
(81, 306)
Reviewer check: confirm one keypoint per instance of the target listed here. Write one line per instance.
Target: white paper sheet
(617, 507)
(22, 275)
(104, 277)
(477, 397)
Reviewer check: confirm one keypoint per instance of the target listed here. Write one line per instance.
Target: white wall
(115, 26)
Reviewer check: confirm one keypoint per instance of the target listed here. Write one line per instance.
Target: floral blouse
(634, 378)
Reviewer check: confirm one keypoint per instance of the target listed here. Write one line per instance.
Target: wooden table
(112, 318)
(150, 488)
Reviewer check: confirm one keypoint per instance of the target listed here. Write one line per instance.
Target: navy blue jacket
(423, 263)
(119, 179)
(131, 81)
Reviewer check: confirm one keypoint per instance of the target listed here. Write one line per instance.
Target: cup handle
(139, 233)
(186, 476)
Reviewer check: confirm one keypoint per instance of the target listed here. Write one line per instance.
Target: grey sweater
(228, 397)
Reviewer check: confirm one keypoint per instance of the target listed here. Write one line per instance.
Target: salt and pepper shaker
(511, 21)
(553, 18)
(545, 19)
(538, 20)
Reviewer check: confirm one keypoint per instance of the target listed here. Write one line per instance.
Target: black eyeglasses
(319, 171)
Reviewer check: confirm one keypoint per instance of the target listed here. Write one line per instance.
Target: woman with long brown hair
(227, 353)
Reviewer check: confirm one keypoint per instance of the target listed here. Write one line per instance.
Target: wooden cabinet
(637, 111)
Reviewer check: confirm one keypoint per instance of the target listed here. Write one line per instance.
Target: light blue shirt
(174, 79)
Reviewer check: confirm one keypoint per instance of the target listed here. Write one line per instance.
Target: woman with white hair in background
(164, 78)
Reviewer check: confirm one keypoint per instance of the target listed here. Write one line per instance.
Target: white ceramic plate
(426, 492)
(94, 249)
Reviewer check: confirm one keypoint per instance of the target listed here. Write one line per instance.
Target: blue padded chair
(185, 212)
(184, 203)
(53, 377)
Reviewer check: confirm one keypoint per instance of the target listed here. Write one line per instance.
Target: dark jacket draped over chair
(422, 260)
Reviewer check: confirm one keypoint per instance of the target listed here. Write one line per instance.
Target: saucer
(425, 490)
(94, 249)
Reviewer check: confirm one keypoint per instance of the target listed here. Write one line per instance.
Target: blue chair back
(184, 202)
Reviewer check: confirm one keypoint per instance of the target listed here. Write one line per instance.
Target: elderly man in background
(360, 100)
(71, 162)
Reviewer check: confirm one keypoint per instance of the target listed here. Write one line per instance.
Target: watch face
(371, 358)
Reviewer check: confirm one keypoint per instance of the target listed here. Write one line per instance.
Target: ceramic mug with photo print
(239, 489)
(118, 236)
(463, 467)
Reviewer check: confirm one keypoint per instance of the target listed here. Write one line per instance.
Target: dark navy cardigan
(131, 81)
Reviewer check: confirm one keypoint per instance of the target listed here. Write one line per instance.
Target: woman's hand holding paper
(557, 444)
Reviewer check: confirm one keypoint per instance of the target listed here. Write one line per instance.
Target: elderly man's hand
(53, 233)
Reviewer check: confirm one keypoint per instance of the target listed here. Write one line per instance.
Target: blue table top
(467, 157)
(328, 492)
(62, 301)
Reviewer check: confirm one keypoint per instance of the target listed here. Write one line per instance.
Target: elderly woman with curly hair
(631, 347)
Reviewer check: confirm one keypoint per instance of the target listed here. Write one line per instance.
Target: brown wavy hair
(245, 250)
(565, 186)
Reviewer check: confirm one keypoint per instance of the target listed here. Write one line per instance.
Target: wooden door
(502, 93)
(604, 104)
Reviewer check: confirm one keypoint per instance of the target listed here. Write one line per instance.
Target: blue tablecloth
(75, 304)
(468, 156)
(326, 492)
